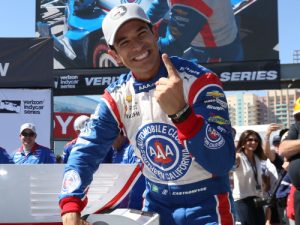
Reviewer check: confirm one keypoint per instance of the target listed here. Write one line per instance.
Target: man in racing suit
(174, 113)
(200, 30)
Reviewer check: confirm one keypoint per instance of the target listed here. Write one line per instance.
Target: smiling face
(136, 48)
(27, 138)
(251, 143)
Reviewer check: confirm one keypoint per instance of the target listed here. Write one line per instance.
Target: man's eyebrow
(140, 28)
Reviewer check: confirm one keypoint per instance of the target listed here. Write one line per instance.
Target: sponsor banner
(84, 82)
(18, 106)
(250, 75)
(63, 125)
(26, 62)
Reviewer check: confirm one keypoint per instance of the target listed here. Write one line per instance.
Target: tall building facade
(275, 107)
(280, 106)
(243, 109)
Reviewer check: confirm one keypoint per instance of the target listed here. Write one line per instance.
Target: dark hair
(297, 117)
(282, 132)
(243, 139)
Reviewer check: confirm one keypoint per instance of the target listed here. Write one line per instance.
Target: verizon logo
(3, 69)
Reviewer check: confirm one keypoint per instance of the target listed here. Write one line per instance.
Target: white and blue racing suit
(199, 30)
(186, 164)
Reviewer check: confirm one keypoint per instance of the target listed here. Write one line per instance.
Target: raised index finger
(169, 65)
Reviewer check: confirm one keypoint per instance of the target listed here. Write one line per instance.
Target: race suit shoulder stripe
(203, 82)
(208, 36)
(199, 6)
(113, 106)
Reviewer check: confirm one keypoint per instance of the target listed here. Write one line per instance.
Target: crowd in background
(263, 191)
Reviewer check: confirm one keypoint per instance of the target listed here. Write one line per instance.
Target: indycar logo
(162, 152)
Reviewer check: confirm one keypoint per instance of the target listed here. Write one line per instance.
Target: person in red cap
(290, 148)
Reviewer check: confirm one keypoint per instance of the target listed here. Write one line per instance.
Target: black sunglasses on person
(252, 139)
(27, 134)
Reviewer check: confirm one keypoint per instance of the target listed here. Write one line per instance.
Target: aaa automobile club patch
(71, 181)
(162, 152)
(213, 139)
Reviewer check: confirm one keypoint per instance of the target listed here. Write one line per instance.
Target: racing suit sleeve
(206, 133)
(157, 10)
(185, 22)
(66, 152)
(93, 144)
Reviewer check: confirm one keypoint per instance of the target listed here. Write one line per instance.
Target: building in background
(243, 109)
(280, 105)
(251, 109)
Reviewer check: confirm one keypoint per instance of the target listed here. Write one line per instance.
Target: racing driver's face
(135, 47)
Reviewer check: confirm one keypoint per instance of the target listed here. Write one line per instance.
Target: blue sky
(17, 19)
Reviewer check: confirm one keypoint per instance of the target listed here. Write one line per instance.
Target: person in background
(30, 152)
(5, 157)
(174, 113)
(290, 148)
(59, 159)
(272, 152)
(248, 178)
(79, 123)
(202, 31)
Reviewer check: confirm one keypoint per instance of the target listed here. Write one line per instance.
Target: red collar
(33, 149)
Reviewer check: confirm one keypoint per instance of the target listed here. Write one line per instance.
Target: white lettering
(64, 124)
(249, 76)
(98, 81)
(3, 69)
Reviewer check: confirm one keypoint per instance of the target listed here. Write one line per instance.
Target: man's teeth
(140, 57)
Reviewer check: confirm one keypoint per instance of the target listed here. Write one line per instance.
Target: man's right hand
(73, 218)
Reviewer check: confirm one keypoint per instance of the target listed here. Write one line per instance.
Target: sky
(17, 19)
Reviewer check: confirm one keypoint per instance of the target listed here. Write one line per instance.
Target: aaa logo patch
(162, 152)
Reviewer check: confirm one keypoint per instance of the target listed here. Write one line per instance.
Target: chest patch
(162, 152)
